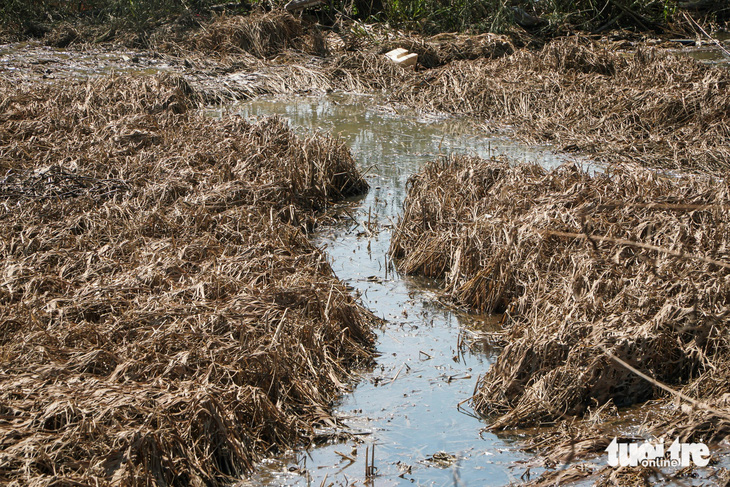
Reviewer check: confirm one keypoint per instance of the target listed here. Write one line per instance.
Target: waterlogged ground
(408, 406)
(34, 62)
(411, 407)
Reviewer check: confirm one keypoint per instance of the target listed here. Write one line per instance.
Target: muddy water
(710, 53)
(31, 61)
(408, 405)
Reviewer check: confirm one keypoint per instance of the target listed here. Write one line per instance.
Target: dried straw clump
(160, 322)
(628, 264)
(707, 420)
(656, 109)
(263, 35)
(365, 71)
(443, 49)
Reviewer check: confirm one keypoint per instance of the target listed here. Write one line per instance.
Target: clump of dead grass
(628, 264)
(263, 35)
(163, 316)
(443, 49)
(649, 107)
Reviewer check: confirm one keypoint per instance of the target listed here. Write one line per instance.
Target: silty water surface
(408, 404)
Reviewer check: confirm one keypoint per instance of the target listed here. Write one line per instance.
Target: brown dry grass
(648, 107)
(630, 264)
(644, 106)
(263, 35)
(163, 317)
(443, 49)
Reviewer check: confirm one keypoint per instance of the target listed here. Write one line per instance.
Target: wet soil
(32, 62)
(410, 407)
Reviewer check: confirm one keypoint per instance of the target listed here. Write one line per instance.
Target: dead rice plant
(263, 35)
(646, 107)
(163, 316)
(628, 264)
(443, 49)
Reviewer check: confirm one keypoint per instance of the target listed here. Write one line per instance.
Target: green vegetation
(546, 17)
(543, 15)
(438, 15)
(31, 17)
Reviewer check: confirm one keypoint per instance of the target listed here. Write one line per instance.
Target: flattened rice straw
(628, 265)
(648, 107)
(163, 316)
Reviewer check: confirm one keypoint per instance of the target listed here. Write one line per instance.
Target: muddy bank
(615, 100)
(164, 318)
(597, 274)
(644, 107)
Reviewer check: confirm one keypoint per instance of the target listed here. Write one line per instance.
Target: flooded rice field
(411, 408)
(406, 420)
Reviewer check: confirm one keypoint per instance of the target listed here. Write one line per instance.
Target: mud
(430, 356)
(407, 407)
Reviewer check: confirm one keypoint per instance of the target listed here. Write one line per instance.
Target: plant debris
(612, 100)
(594, 271)
(164, 318)
(262, 35)
(647, 107)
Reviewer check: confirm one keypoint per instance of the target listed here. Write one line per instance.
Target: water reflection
(411, 405)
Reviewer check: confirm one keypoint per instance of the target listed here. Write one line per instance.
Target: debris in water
(441, 459)
(402, 57)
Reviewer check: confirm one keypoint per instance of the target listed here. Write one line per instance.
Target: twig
(345, 456)
(715, 41)
(622, 241)
(694, 402)
(396, 374)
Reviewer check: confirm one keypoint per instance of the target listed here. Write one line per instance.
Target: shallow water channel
(407, 406)
(412, 407)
